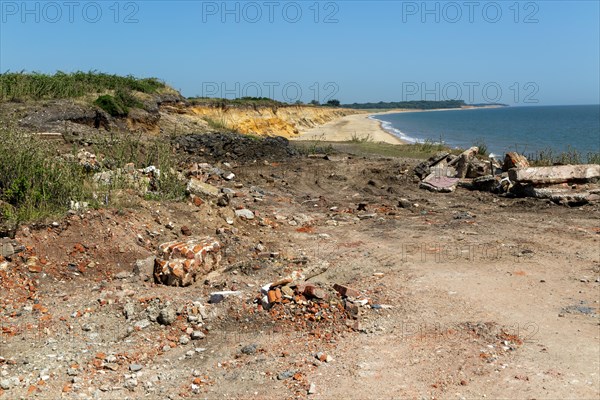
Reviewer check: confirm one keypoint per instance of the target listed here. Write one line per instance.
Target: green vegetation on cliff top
(22, 86)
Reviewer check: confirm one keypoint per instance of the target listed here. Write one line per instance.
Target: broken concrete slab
(442, 169)
(441, 184)
(555, 174)
(514, 160)
(565, 196)
(485, 183)
(461, 163)
(423, 169)
(197, 187)
(477, 168)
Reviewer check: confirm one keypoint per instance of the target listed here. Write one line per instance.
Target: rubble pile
(571, 185)
(18, 268)
(142, 179)
(305, 303)
(180, 263)
(216, 146)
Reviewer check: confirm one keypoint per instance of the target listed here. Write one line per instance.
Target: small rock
(404, 203)
(285, 375)
(186, 231)
(111, 366)
(217, 297)
(130, 384)
(184, 339)
(6, 249)
(142, 324)
(244, 213)
(223, 200)
(287, 291)
(197, 335)
(122, 275)
(128, 310)
(135, 367)
(312, 389)
(249, 349)
(167, 316)
(323, 357)
(5, 384)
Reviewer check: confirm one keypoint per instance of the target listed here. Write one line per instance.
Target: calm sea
(523, 129)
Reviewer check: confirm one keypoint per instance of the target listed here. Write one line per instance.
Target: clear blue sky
(355, 51)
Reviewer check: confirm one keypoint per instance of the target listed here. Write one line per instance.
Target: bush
(112, 105)
(119, 104)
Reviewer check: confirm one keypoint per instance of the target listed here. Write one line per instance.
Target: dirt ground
(470, 295)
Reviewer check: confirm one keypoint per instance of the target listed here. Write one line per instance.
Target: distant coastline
(419, 105)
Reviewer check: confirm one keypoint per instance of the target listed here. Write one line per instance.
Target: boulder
(181, 263)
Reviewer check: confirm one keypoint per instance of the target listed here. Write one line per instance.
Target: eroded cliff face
(282, 121)
(170, 117)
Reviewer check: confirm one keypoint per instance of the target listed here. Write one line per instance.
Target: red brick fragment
(346, 291)
(313, 291)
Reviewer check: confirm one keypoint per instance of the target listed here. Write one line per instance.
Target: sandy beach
(361, 126)
(356, 125)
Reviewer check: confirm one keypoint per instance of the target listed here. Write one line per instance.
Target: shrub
(112, 105)
(119, 104)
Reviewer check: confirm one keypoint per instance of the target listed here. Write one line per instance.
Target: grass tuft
(34, 182)
(37, 183)
(356, 138)
(548, 157)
